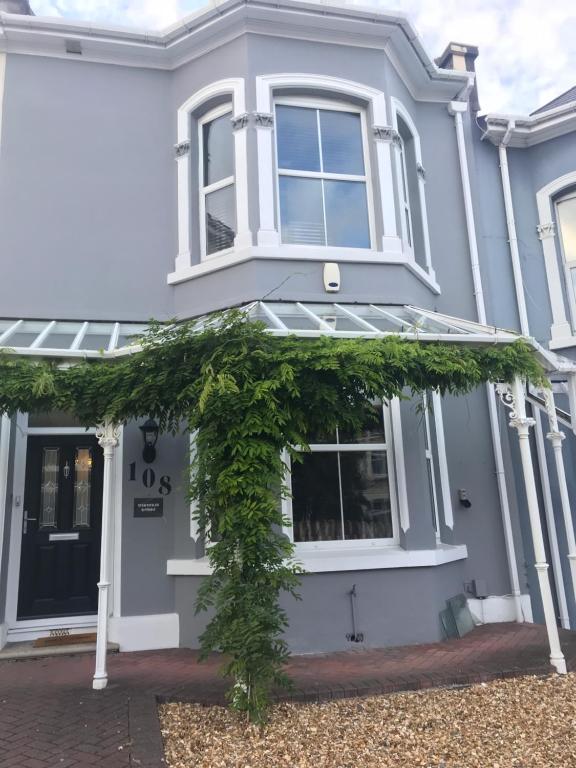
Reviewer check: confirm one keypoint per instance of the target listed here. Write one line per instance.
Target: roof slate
(559, 101)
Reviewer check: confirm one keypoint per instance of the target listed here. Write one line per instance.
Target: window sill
(326, 561)
(302, 253)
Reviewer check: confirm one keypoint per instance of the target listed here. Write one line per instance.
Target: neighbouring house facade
(312, 163)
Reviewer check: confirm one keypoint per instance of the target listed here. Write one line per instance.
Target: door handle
(28, 520)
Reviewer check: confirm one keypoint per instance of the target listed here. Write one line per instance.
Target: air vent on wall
(74, 47)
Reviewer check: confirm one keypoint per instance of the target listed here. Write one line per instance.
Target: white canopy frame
(75, 340)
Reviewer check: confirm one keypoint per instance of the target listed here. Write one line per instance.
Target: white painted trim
(442, 460)
(399, 464)
(118, 480)
(499, 608)
(2, 86)
(5, 428)
(18, 486)
(146, 633)
(561, 330)
(326, 561)
(235, 88)
(3, 635)
(59, 431)
(33, 629)
(531, 130)
(305, 253)
(399, 109)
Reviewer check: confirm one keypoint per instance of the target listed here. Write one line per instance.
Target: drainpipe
(555, 435)
(457, 109)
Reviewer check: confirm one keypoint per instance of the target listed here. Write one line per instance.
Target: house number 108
(149, 478)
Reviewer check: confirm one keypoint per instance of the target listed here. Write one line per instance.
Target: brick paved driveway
(50, 717)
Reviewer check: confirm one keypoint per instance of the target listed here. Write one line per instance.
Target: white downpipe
(513, 241)
(522, 425)
(108, 438)
(550, 521)
(456, 108)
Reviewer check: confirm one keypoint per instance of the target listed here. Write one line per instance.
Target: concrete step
(26, 650)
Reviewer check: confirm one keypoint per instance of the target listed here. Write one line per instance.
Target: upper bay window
(322, 175)
(217, 182)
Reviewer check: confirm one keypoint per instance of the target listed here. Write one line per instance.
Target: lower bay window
(342, 491)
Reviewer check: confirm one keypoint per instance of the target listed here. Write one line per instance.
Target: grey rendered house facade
(526, 184)
(312, 162)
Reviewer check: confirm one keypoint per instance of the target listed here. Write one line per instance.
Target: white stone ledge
(303, 253)
(326, 561)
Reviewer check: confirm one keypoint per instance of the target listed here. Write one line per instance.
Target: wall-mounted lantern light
(150, 433)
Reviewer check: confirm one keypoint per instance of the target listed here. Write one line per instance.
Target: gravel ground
(526, 722)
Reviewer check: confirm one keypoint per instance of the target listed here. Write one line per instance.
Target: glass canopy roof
(76, 339)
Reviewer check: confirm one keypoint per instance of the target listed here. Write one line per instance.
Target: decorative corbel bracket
(386, 133)
(546, 230)
(240, 121)
(182, 149)
(263, 119)
(517, 416)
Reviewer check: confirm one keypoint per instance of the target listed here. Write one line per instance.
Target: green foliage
(250, 397)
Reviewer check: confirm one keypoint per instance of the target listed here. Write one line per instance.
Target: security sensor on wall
(331, 277)
(463, 497)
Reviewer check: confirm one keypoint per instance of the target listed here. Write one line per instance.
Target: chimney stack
(461, 58)
(16, 6)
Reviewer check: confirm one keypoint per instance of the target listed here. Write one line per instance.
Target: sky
(527, 47)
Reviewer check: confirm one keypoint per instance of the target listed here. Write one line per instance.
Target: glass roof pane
(293, 317)
(336, 319)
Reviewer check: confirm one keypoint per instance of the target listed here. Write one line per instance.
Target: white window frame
(318, 104)
(431, 465)
(568, 265)
(339, 545)
(400, 111)
(204, 191)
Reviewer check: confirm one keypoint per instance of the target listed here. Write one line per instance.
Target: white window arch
(558, 250)
(267, 88)
(235, 89)
(410, 188)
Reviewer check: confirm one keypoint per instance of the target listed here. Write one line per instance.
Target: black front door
(60, 560)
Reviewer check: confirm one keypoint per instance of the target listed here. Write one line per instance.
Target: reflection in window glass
(343, 494)
(322, 182)
(49, 487)
(218, 150)
(298, 145)
(220, 219)
(301, 211)
(342, 150)
(346, 214)
(82, 487)
(567, 222)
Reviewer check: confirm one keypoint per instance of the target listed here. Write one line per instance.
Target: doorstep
(14, 651)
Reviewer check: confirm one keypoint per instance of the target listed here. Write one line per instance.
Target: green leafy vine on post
(250, 398)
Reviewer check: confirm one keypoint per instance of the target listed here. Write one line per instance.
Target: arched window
(410, 190)
(323, 172)
(216, 180)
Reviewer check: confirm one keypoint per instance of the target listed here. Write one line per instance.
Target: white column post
(268, 235)
(108, 436)
(556, 436)
(243, 237)
(5, 425)
(513, 398)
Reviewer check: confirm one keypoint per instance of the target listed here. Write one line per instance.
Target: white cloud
(527, 47)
